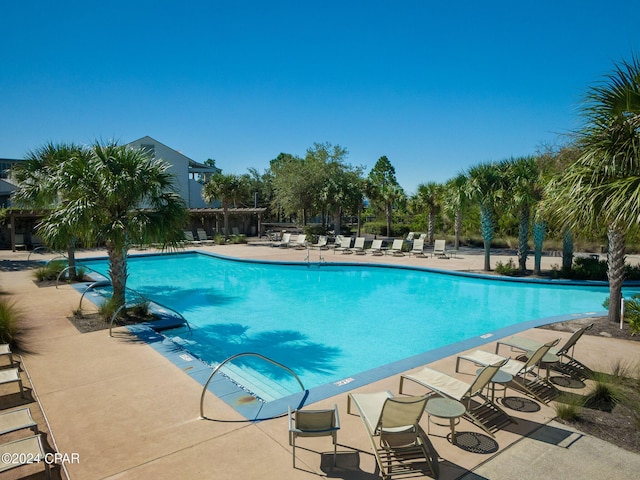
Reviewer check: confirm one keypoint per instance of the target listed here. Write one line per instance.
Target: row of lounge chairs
(344, 245)
(400, 445)
(21, 450)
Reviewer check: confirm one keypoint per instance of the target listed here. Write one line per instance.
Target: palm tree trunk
(432, 226)
(457, 226)
(389, 210)
(486, 225)
(523, 238)
(567, 250)
(71, 259)
(539, 232)
(616, 270)
(118, 273)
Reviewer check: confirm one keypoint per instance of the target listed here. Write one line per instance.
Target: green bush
(568, 407)
(587, 268)
(50, 271)
(631, 312)
(507, 269)
(10, 317)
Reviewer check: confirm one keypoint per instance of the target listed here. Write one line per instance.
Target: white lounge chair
(17, 420)
(396, 248)
(524, 376)
(439, 249)
(376, 248)
(23, 451)
(487, 415)
(300, 242)
(321, 244)
(12, 375)
(358, 246)
(5, 351)
(402, 446)
(418, 248)
(284, 242)
(343, 244)
(565, 362)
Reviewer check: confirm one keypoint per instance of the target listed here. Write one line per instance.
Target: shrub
(507, 269)
(568, 407)
(10, 317)
(50, 271)
(631, 312)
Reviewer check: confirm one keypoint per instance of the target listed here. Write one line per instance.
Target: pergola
(216, 213)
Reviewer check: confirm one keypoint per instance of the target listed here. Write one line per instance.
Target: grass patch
(10, 318)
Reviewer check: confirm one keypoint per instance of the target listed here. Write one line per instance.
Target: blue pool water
(331, 323)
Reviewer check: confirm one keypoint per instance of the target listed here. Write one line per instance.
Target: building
(190, 175)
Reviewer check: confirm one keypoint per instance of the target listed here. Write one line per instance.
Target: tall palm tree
(116, 196)
(430, 196)
(522, 177)
(484, 185)
(223, 187)
(37, 187)
(603, 186)
(455, 202)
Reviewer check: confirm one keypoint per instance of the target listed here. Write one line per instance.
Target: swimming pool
(336, 325)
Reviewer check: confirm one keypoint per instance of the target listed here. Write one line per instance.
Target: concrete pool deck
(129, 413)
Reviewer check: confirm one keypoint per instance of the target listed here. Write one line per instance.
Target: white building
(189, 174)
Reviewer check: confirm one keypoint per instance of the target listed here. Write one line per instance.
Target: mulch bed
(621, 425)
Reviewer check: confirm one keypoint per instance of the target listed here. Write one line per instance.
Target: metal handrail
(215, 370)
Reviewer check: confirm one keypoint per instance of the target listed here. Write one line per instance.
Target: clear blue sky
(434, 86)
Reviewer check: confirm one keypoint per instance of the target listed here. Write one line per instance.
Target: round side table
(445, 408)
(501, 378)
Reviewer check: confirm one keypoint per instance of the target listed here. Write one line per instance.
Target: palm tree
(116, 196)
(430, 196)
(455, 202)
(484, 186)
(603, 186)
(523, 178)
(37, 187)
(223, 187)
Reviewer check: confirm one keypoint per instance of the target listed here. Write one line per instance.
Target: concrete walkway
(123, 411)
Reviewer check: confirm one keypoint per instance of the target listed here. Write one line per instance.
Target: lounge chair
(19, 242)
(358, 246)
(524, 376)
(284, 242)
(300, 242)
(314, 423)
(343, 244)
(190, 239)
(418, 248)
(567, 364)
(12, 375)
(23, 451)
(402, 446)
(486, 415)
(396, 248)
(5, 351)
(204, 238)
(376, 248)
(321, 244)
(17, 420)
(439, 249)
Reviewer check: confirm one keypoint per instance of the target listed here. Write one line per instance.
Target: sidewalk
(129, 413)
